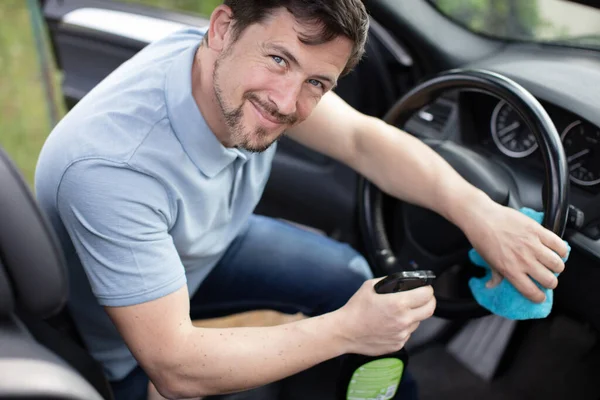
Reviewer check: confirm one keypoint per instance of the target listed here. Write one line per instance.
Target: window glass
(554, 21)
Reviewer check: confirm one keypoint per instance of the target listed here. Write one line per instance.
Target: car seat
(36, 360)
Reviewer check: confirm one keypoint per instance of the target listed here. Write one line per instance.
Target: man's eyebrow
(285, 53)
(294, 61)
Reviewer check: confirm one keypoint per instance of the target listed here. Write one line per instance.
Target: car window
(201, 7)
(553, 21)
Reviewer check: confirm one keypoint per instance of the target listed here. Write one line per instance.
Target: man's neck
(204, 94)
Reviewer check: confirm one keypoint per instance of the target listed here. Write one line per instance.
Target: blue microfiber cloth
(504, 299)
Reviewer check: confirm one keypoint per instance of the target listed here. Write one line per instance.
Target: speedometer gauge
(581, 141)
(511, 135)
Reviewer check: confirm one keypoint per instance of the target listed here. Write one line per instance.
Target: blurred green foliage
(203, 7)
(24, 112)
(514, 19)
(25, 119)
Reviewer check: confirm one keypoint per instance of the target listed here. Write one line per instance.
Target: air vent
(435, 116)
(431, 121)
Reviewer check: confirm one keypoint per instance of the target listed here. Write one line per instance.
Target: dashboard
(496, 127)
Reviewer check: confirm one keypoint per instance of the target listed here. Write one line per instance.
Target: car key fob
(404, 280)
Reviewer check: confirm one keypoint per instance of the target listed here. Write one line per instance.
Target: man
(151, 181)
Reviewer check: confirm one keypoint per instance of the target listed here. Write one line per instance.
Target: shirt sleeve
(118, 220)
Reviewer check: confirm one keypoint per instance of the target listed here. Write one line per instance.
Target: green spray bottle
(378, 377)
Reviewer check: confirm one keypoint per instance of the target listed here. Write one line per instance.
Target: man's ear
(221, 23)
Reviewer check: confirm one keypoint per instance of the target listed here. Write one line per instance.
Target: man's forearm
(406, 168)
(226, 360)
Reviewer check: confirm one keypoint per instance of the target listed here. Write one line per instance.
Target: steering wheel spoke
(514, 201)
(408, 255)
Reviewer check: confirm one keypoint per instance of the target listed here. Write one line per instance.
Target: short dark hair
(347, 18)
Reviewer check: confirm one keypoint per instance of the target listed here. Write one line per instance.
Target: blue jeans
(273, 265)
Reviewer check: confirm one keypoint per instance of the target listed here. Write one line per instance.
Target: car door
(91, 38)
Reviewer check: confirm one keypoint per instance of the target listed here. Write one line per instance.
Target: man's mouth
(265, 116)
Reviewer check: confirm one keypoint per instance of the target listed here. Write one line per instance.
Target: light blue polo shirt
(142, 195)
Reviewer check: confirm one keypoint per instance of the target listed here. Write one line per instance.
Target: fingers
(551, 260)
(495, 280)
(423, 312)
(523, 283)
(418, 315)
(553, 242)
(413, 327)
(543, 275)
(405, 336)
(416, 298)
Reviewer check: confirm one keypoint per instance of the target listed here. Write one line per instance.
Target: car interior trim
(391, 45)
(136, 27)
(27, 378)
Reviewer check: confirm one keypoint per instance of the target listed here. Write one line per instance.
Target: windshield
(553, 21)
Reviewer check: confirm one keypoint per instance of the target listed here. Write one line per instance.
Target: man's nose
(285, 96)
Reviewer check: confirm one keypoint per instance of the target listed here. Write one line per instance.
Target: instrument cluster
(581, 141)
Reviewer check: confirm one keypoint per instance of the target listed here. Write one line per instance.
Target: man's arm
(398, 163)
(404, 167)
(184, 361)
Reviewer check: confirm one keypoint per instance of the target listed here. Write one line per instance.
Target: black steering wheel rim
(556, 202)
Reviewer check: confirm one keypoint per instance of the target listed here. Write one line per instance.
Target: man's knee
(360, 265)
(343, 282)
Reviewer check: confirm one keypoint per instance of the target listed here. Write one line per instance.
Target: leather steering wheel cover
(536, 119)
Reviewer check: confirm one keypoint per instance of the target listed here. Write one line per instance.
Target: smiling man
(263, 92)
(151, 181)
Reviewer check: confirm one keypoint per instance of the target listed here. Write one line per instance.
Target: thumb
(494, 281)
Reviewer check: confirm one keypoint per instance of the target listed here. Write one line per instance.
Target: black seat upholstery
(33, 287)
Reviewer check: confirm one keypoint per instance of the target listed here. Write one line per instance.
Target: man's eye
(315, 83)
(279, 60)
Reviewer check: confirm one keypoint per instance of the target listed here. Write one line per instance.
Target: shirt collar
(197, 139)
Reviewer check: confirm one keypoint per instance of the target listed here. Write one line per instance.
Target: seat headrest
(33, 277)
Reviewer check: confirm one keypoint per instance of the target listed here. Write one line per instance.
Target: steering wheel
(427, 237)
